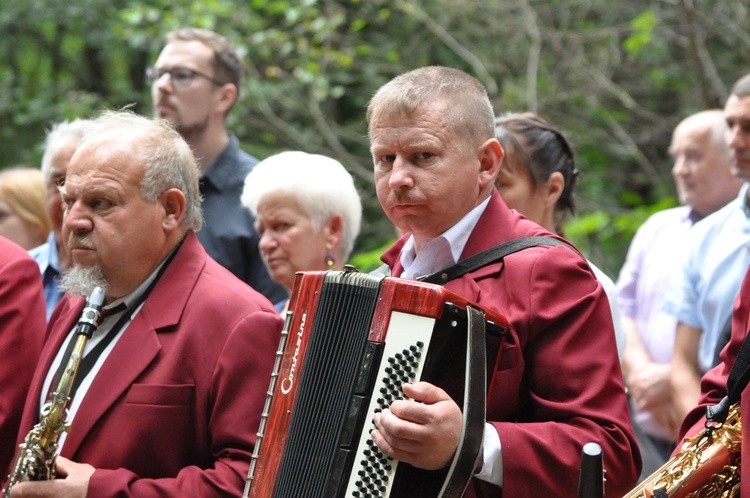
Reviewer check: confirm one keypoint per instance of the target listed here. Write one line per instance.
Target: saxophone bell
(707, 465)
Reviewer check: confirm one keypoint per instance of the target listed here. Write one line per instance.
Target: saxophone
(35, 460)
(707, 466)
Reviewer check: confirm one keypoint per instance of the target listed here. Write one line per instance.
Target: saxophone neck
(67, 379)
(89, 321)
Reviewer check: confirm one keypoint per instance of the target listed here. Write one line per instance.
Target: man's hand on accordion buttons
(423, 434)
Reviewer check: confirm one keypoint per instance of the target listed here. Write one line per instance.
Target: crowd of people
(196, 245)
(704, 183)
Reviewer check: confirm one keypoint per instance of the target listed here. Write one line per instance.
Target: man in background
(714, 384)
(705, 183)
(59, 146)
(702, 293)
(195, 82)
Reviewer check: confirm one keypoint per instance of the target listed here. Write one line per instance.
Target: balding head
(711, 121)
(702, 162)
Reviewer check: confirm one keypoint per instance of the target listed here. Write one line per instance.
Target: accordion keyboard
(402, 363)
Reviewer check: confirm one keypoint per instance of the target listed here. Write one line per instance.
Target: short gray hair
(168, 161)
(467, 108)
(321, 186)
(60, 135)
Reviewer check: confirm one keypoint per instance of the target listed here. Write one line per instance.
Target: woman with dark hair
(538, 178)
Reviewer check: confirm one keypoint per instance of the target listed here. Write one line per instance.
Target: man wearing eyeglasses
(194, 84)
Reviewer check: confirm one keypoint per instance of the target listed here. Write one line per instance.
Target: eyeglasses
(180, 77)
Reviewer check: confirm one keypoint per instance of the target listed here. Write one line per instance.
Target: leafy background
(616, 77)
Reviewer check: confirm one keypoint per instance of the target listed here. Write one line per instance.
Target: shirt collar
(46, 255)
(692, 216)
(456, 237)
(217, 175)
(132, 298)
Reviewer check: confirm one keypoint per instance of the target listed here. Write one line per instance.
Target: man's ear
(173, 204)
(490, 157)
(555, 187)
(227, 95)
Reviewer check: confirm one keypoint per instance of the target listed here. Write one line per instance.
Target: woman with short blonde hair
(23, 207)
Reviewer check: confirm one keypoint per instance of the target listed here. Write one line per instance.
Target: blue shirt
(49, 264)
(228, 234)
(702, 294)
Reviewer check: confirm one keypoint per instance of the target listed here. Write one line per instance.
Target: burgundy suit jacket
(175, 407)
(714, 384)
(558, 384)
(22, 324)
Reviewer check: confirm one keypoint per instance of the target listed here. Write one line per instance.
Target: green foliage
(366, 261)
(602, 236)
(643, 28)
(614, 76)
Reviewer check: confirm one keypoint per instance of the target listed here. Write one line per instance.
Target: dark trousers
(655, 452)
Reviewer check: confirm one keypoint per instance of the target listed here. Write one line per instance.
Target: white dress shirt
(439, 253)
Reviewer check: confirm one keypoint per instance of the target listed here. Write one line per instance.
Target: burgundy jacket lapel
(391, 256)
(492, 228)
(132, 354)
(139, 344)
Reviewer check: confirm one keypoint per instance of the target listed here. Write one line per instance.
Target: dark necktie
(88, 361)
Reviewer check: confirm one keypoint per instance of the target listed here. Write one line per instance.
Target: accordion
(349, 342)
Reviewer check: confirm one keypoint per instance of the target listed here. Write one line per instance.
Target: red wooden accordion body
(350, 340)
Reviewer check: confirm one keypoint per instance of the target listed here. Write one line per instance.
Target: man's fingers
(63, 466)
(426, 393)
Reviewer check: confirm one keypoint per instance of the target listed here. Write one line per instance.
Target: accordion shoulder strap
(489, 256)
(738, 379)
(469, 455)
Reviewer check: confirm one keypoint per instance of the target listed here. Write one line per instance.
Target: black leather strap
(489, 256)
(474, 414)
(736, 383)
(722, 340)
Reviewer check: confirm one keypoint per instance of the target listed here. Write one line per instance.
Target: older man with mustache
(174, 379)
